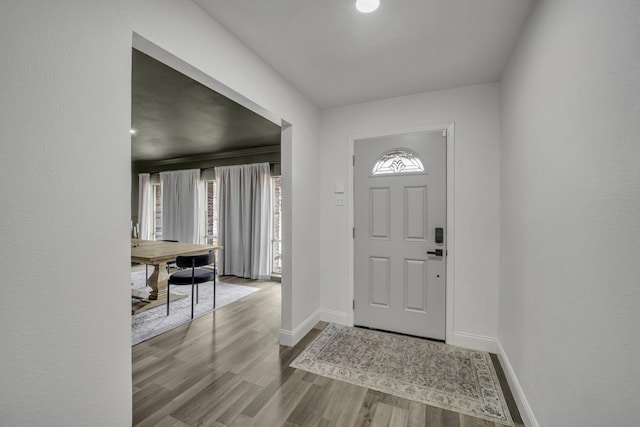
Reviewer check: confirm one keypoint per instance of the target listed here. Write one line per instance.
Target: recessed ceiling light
(133, 131)
(366, 6)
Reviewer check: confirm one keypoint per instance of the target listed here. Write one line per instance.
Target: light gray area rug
(155, 321)
(430, 372)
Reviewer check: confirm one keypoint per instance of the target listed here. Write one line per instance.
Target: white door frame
(450, 238)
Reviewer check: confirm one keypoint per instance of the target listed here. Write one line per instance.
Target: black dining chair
(191, 275)
(170, 264)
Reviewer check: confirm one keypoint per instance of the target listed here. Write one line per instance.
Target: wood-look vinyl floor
(227, 369)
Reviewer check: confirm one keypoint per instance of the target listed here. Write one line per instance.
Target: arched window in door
(397, 161)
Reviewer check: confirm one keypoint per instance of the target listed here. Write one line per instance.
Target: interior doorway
(283, 169)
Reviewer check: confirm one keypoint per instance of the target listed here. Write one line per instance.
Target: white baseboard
(475, 342)
(291, 338)
(332, 316)
(518, 394)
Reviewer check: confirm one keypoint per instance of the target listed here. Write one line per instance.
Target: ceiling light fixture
(367, 6)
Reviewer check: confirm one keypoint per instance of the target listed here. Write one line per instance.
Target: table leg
(158, 281)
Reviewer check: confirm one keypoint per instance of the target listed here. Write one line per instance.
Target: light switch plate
(338, 187)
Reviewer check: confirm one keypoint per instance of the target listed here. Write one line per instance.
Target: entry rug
(155, 321)
(433, 373)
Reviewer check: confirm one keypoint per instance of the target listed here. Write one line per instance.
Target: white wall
(65, 329)
(475, 111)
(65, 357)
(570, 248)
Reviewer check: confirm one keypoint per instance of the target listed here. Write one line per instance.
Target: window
(156, 214)
(397, 161)
(276, 226)
(211, 213)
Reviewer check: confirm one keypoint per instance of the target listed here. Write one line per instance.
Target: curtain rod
(270, 163)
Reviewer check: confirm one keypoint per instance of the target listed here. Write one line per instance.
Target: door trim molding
(449, 127)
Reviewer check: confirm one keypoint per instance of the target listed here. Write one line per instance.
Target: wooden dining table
(158, 253)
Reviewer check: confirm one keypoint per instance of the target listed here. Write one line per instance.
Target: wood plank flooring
(227, 369)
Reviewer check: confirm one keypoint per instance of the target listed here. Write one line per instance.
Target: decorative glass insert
(397, 161)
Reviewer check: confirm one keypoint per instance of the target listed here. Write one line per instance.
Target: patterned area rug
(433, 373)
(155, 321)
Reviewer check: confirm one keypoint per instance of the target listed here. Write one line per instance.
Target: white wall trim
(475, 342)
(450, 274)
(518, 394)
(291, 338)
(333, 316)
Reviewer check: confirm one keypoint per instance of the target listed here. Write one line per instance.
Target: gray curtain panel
(180, 205)
(144, 206)
(244, 197)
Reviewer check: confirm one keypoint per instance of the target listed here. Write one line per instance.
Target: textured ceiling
(332, 54)
(176, 117)
(335, 55)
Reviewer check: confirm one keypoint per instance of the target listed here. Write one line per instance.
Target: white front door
(400, 229)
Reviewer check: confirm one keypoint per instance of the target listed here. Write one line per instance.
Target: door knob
(437, 252)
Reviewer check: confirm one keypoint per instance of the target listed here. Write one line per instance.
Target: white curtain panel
(244, 197)
(180, 205)
(144, 206)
